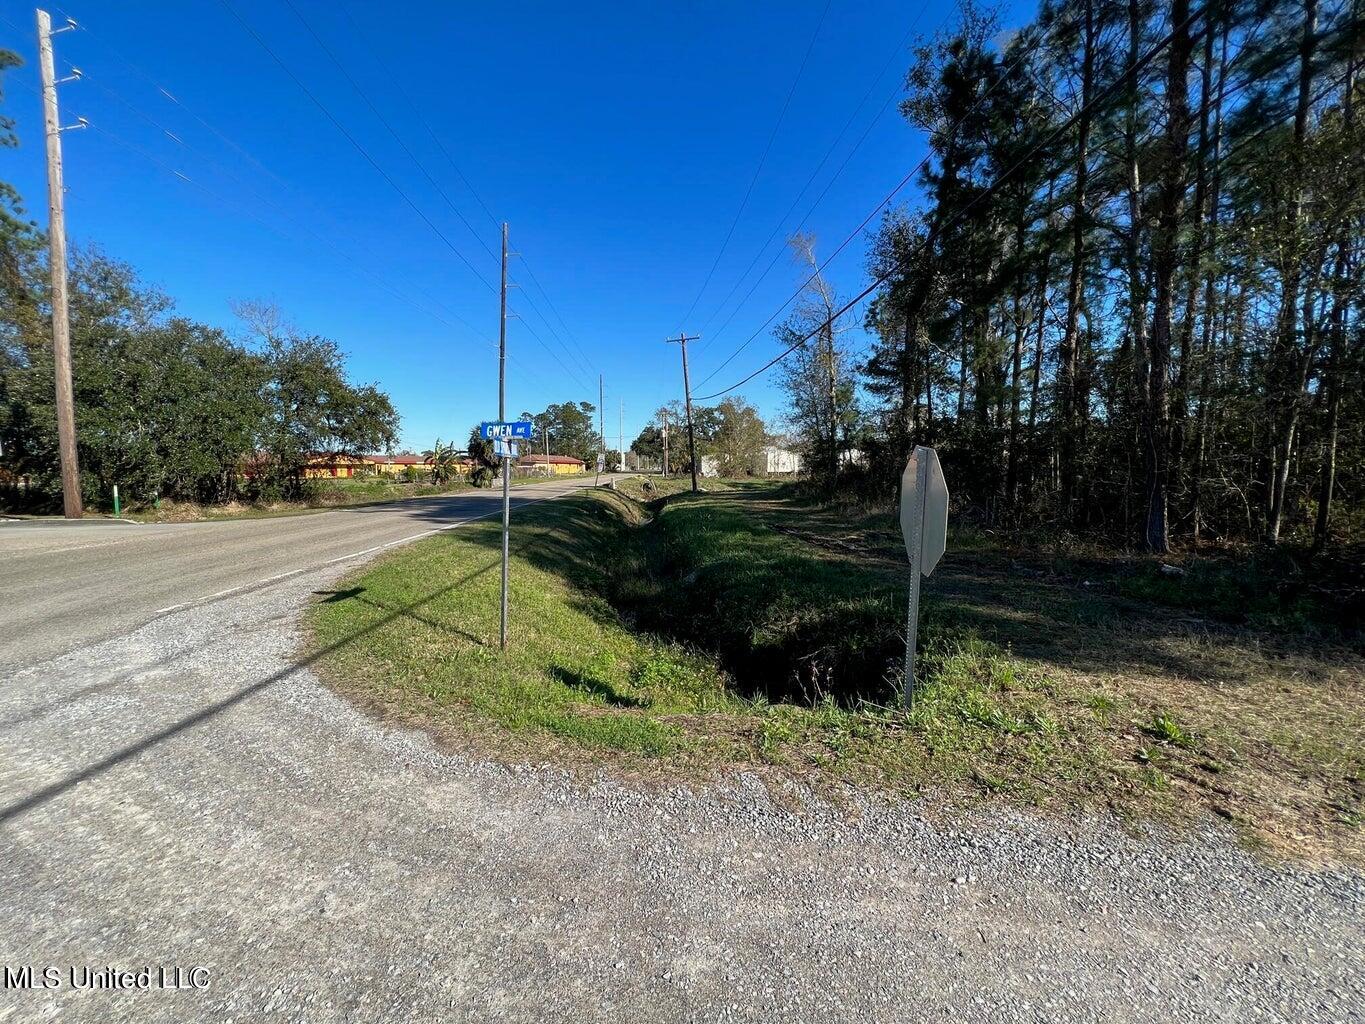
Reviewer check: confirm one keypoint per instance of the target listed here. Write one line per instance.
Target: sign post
(504, 437)
(924, 523)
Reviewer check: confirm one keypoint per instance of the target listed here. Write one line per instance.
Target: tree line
(165, 407)
(1131, 299)
(731, 433)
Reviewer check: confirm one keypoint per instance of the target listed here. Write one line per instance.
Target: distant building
(333, 465)
(771, 460)
(551, 465)
(394, 465)
(775, 460)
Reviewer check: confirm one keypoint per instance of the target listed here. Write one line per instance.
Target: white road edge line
(343, 558)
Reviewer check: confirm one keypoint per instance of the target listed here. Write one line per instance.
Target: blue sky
(618, 141)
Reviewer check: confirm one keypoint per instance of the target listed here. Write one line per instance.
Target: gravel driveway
(188, 795)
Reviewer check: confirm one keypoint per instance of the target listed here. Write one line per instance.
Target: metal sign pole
(506, 528)
(914, 543)
(502, 416)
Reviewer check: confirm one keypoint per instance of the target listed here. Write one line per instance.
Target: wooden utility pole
(56, 238)
(682, 340)
(502, 418)
(621, 436)
(665, 467)
(601, 425)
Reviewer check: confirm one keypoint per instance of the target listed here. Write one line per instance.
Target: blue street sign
(504, 449)
(517, 428)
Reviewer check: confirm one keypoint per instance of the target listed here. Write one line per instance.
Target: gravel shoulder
(188, 795)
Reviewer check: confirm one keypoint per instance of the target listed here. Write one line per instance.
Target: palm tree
(443, 460)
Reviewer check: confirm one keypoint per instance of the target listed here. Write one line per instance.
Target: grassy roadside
(741, 627)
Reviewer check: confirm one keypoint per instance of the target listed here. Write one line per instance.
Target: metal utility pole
(621, 436)
(502, 416)
(683, 339)
(56, 238)
(601, 426)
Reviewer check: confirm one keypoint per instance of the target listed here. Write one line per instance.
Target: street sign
(924, 523)
(927, 498)
(516, 428)
(601, 462)
(504, 449)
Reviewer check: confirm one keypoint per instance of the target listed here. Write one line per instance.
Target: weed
(1102, 705)
(1164, 727)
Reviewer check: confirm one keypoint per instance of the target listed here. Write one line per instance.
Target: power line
(167, 94)
(555, 335)
(762, 160)
(274, 227)
(900, 46)
(1251, 78)
(553, 355)
(546, 295)
(417, 112)
(1120, 81)
(355, 143)
(856, 231)
(396, 82)
(1227, 157)
(156, 161)
(259, 197)
(132, 147)
(392, 131)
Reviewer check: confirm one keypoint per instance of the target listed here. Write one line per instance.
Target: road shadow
(55, 789)
(337, 596)
(357, 594)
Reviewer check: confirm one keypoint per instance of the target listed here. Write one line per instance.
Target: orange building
(552, 465)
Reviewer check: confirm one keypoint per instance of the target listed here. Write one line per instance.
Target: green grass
(428, 621)
(789, 623)
(750, 626)
(746, 665)
(1164, 727)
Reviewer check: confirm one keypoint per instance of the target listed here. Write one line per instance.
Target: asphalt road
(66, 585)
(184, 802)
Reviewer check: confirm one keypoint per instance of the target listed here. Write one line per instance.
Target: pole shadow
(56, 789)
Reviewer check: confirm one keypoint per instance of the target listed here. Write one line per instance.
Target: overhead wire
(365, 98)
(900, 46)
(355, 143)
(904, 181)
(881, 279)
(858, 230)
(255, 194)
(568, 369)
(395, 80)
(270, 225)
(546, 295)
(246, 154)
(171, 97)
(275, 228)
(772, 136)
